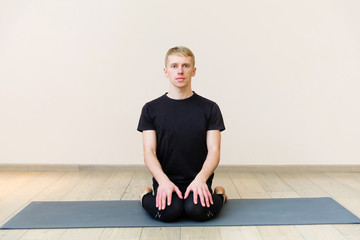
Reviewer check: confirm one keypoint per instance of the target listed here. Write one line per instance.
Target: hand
(200, 188)
(164, 192)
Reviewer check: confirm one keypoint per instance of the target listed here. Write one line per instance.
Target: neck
(179, 93)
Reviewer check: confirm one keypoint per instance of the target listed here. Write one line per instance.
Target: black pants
(180, 207)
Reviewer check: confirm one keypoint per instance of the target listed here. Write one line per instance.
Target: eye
(173, 66)
(185, 65)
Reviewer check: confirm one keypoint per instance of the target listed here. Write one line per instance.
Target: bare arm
(198, 185)
(166, 187)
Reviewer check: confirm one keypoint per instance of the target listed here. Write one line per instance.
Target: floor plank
(275, 186)
(86, 188)
(14, 180)
(121, 233)
(114, 187)
(60, 188)
(280, 233)
(200, 233)
(82, 234)
(334, 188)
(11, 234)
(349, 230)
(302, 186)
(43, 234)
(247, 185)
(320, 232)
(351, 180)
(171, 233)
(230, 233)
(271, 182)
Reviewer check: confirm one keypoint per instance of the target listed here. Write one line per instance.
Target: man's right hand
(164, 194)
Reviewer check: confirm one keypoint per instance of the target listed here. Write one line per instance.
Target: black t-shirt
(181, 127)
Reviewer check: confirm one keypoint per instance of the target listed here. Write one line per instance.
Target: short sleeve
(146, 121)
(216, 121)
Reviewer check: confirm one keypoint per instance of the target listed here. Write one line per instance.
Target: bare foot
(144, 191)
(221, 190)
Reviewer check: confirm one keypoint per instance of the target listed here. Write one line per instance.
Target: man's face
(179, 69)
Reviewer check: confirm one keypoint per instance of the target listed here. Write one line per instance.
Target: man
(181, 140)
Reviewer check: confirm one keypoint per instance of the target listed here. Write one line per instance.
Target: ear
(194, 72)
(166, 73)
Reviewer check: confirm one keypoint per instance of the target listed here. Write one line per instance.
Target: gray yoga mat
(236, 212)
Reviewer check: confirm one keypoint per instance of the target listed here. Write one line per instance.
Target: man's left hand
(199, 188)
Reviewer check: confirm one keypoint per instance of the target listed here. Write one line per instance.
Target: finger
(202, 198)
(169, 197)
(178, 192)
(195, 196)
(160, 201)
(206, 197)
(157, 199)
(163, 201)
(210, 197)
(187, 193)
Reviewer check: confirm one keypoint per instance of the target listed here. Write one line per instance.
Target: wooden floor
(17, 189)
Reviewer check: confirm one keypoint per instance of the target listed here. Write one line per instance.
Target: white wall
(74, 75)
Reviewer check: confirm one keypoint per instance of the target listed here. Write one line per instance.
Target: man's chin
(180, 84)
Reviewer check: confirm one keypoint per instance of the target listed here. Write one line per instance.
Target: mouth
(180, 79)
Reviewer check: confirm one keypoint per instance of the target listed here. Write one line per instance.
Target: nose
(180, 70)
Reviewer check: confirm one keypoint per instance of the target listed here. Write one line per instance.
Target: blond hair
(180, 50)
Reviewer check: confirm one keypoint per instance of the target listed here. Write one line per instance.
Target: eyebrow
(181, 64)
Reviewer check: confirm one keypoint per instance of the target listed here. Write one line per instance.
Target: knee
(171, 213)
(196, 211)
